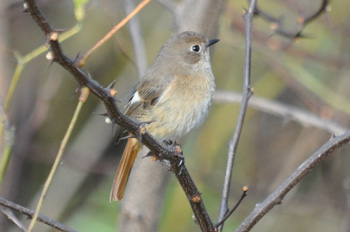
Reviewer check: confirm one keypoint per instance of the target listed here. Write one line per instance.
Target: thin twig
(113, 112)
(30, 213)
(11, 216)
(288, 112)
(302, 21)
(247, 93)
(22, 61)
(142, 4)
(59, 156)
(277, 196)
(9, 132)
(244, 194)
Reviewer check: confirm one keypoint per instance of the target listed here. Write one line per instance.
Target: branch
(113, 31)
(302, 21)
(30, 213)
(247, 93)
(228, 214)
(277, 196)
(280, 109)
(11, 216)
(156, 147)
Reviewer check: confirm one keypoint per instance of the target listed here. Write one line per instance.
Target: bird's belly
(176, 117)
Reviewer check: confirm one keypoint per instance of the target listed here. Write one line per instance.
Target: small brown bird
(174, 95)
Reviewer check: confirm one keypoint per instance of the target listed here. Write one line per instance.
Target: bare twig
(244, 194)
(142, 4)
(280, 109)
(169, 153)
(11, 216)
(9, 131)
(30, 213)
(277, 196)
(84, 94)
(302, 21)
(247, 93)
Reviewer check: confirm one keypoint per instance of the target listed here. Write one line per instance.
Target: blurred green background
(310, 73)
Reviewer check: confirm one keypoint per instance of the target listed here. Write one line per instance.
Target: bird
(173, 97)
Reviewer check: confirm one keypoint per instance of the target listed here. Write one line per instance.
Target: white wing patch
(136, 98)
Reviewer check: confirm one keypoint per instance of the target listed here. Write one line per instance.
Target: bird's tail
(125, 166)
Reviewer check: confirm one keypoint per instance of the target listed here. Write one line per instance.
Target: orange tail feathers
(124, 169)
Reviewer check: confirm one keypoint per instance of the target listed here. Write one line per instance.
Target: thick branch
(116, 116)
(30, 213)
(277, 196)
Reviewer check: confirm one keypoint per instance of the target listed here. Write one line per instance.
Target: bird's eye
(196, 48)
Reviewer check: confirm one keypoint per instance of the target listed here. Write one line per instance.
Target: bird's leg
(174, 145)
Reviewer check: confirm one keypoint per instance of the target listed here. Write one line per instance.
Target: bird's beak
(212, 42)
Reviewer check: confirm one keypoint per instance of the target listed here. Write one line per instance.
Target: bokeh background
(310, 73)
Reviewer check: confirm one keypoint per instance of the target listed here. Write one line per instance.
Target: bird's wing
(145, 95)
